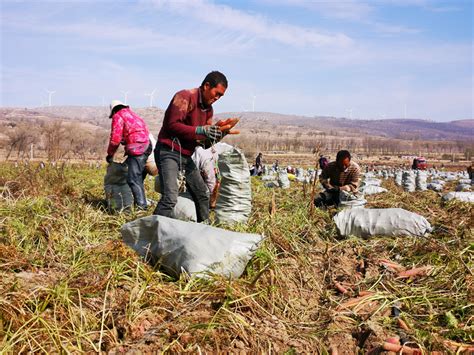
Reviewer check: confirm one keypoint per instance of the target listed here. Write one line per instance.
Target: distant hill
(93, 115)
(408, 129)
(390, 128)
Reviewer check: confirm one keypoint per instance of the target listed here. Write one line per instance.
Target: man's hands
(109, 159)
(211, 132)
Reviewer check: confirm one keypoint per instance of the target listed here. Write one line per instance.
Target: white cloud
(226, 17)
(352, 11)
(107, 37)
(347, 10)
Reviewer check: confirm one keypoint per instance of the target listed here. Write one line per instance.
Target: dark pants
(327, 199)
(136, 176)
(168, 162)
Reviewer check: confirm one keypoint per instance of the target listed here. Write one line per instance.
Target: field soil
(69, 284)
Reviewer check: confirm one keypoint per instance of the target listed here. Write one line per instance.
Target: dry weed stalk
(316, 152)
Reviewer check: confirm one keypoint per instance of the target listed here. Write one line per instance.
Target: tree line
(57, 139)
(54, 140)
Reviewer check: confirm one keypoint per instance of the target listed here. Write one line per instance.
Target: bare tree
(19, 138)
(54, 134)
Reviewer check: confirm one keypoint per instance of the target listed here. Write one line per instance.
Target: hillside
(390, 128)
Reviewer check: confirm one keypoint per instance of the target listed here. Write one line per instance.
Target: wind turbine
(151, 97)
(350, 112)
(405, 111)
(253, 103)
(50, 94)
(125, 94)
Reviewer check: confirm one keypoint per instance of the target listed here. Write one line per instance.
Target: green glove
(211, 132)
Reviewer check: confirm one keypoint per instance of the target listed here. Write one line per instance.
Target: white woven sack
(398, 178)
(372, 190)
(194, 248)
(116, 174)
(408, 181)
(234, 203)
(118, 197)
(435, 187)
(350, 200)
(283, 180)
(118, 194)
(461, 196)
(150, 165)
(300, 175)
(271, 184)
(463, 187)
(185, 209)
(420, 180)
(362, 222)
(371, 182)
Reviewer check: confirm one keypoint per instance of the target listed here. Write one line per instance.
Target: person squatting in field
(131, 130)
(340, 175)
(187, 121)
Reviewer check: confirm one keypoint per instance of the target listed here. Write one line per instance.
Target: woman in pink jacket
(131, 130)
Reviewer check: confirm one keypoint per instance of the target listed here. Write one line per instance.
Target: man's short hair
(343, 154)
(215, 78)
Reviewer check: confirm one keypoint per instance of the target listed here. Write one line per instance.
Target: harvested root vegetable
(418, 271)
(459, 347)
(225, 128)
(233, 132)
(402, 324)
(221, 123)
(340, 288)
(391, 265)
(366, 293)
(393, 340)
(401, 349)
(353, 302)
(227, 124)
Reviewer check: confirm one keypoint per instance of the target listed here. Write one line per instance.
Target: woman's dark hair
(214, 78)
(343, 154)
(117, 109)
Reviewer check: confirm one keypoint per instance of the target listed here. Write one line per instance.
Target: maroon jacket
(184, 113)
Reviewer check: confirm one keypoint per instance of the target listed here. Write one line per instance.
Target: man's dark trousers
(169, 163)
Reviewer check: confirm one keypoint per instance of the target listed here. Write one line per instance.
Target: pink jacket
(130, 128)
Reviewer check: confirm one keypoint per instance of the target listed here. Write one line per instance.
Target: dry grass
(69, 284)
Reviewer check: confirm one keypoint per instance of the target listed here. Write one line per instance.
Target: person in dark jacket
(188, 120)
(259, 164)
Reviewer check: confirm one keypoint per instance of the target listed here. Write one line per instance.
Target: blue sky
(360, 59)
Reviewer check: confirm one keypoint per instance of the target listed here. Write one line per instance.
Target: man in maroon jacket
(188, 119)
